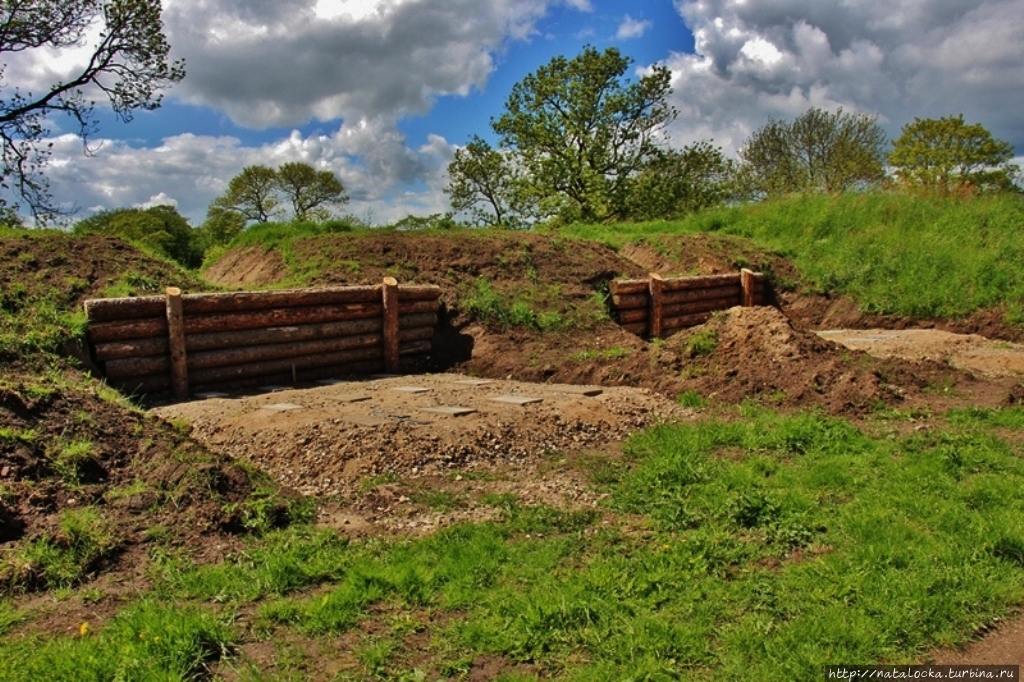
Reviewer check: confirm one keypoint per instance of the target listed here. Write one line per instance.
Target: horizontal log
(127, 330)
(417, 320)
(276, 351)
(416, 334)
(627, 286)
(413, 307)
(680, 283)
(281, 317)
(124, 308)
(303, 376)
(703, 294)
(630, 301)
(290, 334)
(628, 316)
(683, 321)
(283, 366)
(695, 307)
(134, 348)
(415, 347)
(418, 292)
(250, 301)
(136, 367)
(638, 328)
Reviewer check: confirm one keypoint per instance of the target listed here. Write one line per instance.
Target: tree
(160, 228)
(580, 130)
(947, 155)
(128, 66)
(310, 191)
(219, 228)
(252, 194)
(817, 152)
(488, 185)
(676, 182)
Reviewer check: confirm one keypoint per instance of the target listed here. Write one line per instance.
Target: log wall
(196, 342)
(656, 307)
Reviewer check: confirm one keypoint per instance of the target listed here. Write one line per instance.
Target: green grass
(893, 253)
(501, 311)
(758, 546)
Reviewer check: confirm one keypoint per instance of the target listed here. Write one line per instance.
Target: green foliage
(160, 230)
(817, 152)
(948, 156)
(692, 399)
(147, 641)
(125, 60)
(701, 342)
(434, 221)
(489, 306)
(71, 460)
(258, 193)
(673, 183)
(33, 325)
(572, 135)
(490, 186)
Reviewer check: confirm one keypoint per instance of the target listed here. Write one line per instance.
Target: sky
(382, 92)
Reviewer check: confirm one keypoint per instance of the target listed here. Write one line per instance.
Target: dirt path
(963, 351)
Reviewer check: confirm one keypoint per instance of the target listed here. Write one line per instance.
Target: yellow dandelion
(83, 629)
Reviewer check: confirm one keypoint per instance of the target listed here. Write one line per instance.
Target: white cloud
(632, 28)
(924, 58)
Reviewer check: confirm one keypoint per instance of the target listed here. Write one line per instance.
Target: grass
(893, 253)
(759, 545)
(600, 354)
(493, 308)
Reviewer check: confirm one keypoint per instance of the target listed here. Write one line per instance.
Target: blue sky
(382, 92)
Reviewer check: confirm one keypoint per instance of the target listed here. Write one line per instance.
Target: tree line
(578, 142)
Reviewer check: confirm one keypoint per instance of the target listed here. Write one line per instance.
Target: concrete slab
(453, 410)
(516, 399)
(588, 391)
(411, 389)
(473, 382)
(282, 407)
(209, 395)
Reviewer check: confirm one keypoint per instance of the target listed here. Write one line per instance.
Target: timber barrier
(200, 342)
(656, 307)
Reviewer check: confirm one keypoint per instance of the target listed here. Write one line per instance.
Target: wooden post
(391, 339)
(656, 287)
(176, 344)
(748, 282)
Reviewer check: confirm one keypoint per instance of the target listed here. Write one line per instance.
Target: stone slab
(282, 407)
(588, 391)
(473, 382)
(209, 395)
(411, 389)
(516, 399)
(453, 410)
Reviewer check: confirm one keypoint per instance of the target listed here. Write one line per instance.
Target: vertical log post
(749, 284)
(176, 344)
(656, 287)
(391, 340)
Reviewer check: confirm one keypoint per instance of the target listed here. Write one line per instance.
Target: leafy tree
(258, 192)
(219, 228)
(676, 182)
(252, 194)
(581, 130)
(817, 152)
(128, 65)
(310, 191)
(488, 185)
(160, 228)
(947, 155)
